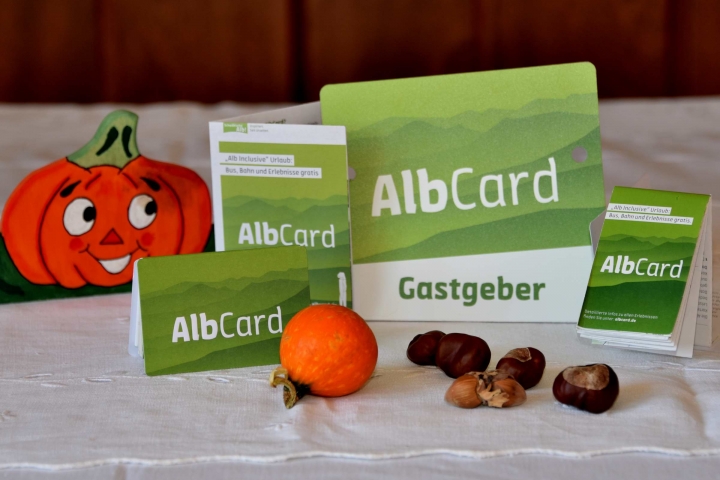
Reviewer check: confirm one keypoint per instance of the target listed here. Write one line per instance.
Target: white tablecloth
(74, 404)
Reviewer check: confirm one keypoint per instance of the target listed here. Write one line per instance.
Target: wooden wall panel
(694, 53)
(625, 39)
(286, 50)
(346, 40)
(47, 51)
(205, 51)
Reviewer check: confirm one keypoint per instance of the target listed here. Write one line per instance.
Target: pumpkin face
(72, 225)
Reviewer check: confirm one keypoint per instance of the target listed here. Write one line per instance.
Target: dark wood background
(286, 50)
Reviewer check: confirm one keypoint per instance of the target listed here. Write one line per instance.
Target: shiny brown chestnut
(422, 348)
(459, 353)
(592, 388)
(525, 364)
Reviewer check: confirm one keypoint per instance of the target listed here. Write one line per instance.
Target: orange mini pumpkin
(86, 218)
(325, 350)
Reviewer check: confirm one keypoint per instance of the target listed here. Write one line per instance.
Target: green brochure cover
(471, 183)
(646, 252)
(214, 311)
(277, 185)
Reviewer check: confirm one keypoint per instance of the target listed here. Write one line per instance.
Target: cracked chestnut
(592, 388)
(492, 389)
(422, 348)
(526, 365)
(459, 353)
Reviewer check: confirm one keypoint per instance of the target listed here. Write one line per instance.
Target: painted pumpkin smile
(115, 265)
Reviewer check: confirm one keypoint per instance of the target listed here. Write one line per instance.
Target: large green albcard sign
(473, 193)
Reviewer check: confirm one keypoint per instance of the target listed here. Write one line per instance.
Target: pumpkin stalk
(114, 143)
(290, 394)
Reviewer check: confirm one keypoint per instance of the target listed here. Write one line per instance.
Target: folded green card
(214, 311)
(652, 273)
(278, 184)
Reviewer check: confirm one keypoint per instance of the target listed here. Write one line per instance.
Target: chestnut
(525, 364)
(459, 353)
(493, 389)
(422, 348)
(592, 388)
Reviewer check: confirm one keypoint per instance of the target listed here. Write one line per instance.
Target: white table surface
(73, 404)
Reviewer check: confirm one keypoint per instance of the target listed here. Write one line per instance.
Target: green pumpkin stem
(114, 143)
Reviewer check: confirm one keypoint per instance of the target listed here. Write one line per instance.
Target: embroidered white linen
(71, 397)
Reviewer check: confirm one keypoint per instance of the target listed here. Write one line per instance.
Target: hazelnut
(422, 348)
(503, 393)
(458, 354)
(463, 392)
(493, 389)
(592, 388)
(525, 364)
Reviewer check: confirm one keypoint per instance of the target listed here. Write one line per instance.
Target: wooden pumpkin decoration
(86, 218)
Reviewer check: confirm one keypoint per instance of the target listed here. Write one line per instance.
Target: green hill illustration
(233, 284)
(252, 298)
(292, 203)
(479, 239)
(196, 305)
(251, 350)
(498, 147)
(265, 352)
(652, 240)
(481, 121)
(307, 215)
(403, 235)
(660, 299)
(660, 252)
(494, 141)
(652, 249)
(267, 211)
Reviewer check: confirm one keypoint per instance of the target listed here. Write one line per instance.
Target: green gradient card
(279, 185)
(473, 193)
(213, 311)
(652, 273)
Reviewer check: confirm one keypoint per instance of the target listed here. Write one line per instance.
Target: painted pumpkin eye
(142, 212)
(79, 216)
